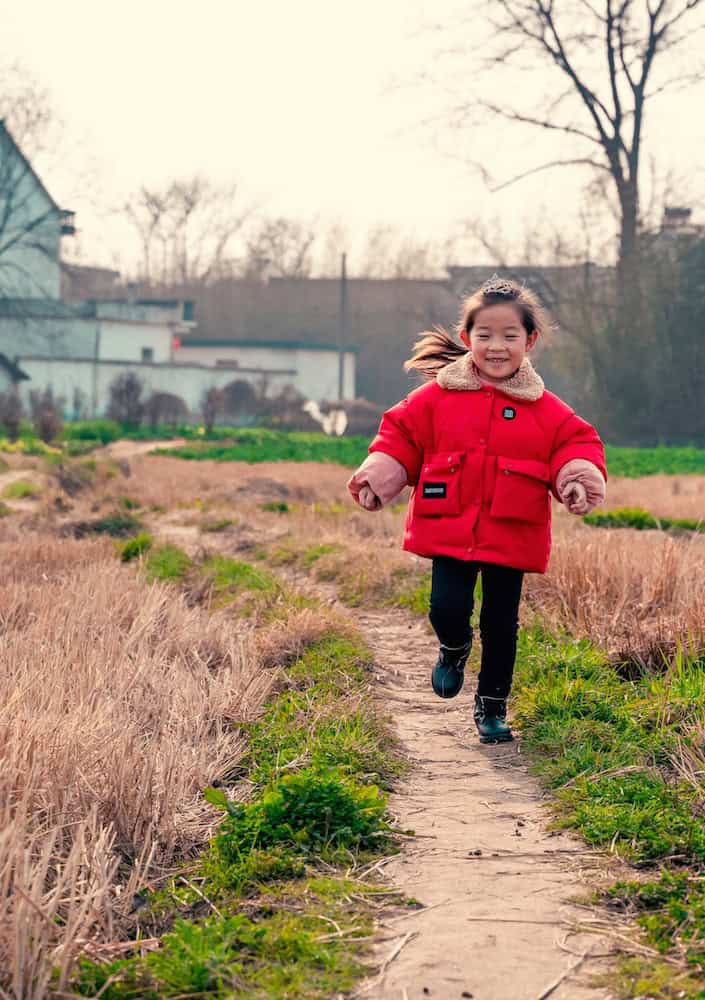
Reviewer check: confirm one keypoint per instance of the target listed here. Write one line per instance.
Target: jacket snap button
(506, 472)
(452, 469)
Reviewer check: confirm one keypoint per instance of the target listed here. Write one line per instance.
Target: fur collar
(462, 374)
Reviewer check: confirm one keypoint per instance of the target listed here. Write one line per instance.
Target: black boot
(449, 672)
(490, 716)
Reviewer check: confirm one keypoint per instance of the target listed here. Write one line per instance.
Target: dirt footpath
(498, 922)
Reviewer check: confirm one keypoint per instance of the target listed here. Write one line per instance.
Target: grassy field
(154, 650)
(260, 444)
(173, 753)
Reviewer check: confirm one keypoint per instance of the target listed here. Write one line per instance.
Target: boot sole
(441, 693)
(497, 739)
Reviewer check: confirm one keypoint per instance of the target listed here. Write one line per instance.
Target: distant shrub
(212, 402)
(135, 547)
(11, 413)
(165, 408)
(46, 414)
(104, 431)
(126, 405)
(641, 520)
(118, 524)
(73, 477)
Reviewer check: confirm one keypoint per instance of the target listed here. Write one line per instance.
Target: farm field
(242, 627)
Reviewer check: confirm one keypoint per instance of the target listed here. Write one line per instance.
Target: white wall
(124, 341)
(316, 371)
(93, 380)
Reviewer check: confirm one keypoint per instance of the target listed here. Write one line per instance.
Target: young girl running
(483, 444)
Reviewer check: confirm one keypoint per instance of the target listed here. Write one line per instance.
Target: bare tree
(186, 230)
(282, 245)
(46, 411)
(388, 252)
(11, 412)
(126, 404)
(31, 225)
(36, 144)
(608, 62)
(211, 407)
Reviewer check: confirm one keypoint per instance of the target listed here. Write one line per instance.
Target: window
(148, 354)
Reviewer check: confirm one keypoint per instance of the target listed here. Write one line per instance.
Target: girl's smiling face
(498, 341)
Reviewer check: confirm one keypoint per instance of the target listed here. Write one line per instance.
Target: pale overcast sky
(311, 106)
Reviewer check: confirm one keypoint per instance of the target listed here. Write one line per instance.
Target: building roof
(284, 345)
(4, 131)
(18, 308)
(28, 309)
(13, 370)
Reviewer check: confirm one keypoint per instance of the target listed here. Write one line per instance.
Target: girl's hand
(368, 499)
(580, 486)
(575, 498)
(379, 480)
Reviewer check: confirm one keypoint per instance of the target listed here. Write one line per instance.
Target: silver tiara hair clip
(499, 286)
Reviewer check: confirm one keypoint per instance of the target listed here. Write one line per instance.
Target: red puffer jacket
(482, 461)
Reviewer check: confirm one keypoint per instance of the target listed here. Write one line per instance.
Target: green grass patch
(276, 507)
(216, 526)
(231, 576)
(641, 520)
(135, 547)
(127, 503)
(607, 746)
(310, 811)
(311, 555)
(20, 489)
(414, 593)
(316, 809)
(636, 462)
(275, 955)
(249, 590)
(261, 445)
(5, 510)
(348, 735)
(167, 562)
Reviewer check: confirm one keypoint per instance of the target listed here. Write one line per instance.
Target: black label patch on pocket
(434, 491)
(509, 413)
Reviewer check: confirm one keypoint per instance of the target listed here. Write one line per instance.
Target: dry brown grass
(663, 496)
(122, 702)
(174, 482)
(120, 707)
(636, 594)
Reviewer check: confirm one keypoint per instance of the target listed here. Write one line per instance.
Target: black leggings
(452, 599)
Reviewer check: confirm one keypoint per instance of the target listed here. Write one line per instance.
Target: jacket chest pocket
(521, 490)
(438, 489)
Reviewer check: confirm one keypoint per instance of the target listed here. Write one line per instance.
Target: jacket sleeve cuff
(408, 456)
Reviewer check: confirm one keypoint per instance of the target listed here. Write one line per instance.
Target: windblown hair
(437, 348)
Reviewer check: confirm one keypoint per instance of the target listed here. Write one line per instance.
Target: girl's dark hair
(436, 348)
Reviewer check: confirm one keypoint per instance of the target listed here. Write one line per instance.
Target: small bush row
(642, 520)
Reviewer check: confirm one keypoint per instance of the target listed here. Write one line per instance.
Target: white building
(31, 227)
(78, 347)
(313, 368)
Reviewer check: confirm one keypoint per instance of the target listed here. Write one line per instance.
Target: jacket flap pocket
(442, 461)
(525, 467)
